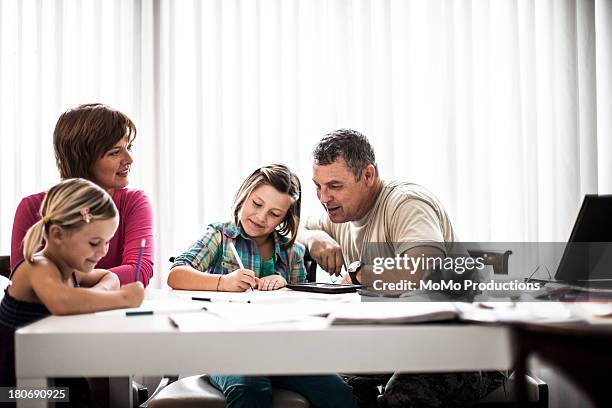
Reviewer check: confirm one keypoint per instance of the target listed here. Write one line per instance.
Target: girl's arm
(188, 270)
(188, 278)
(62, 299)
(98, 279)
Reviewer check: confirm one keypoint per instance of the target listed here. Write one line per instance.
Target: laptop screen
(588, 253)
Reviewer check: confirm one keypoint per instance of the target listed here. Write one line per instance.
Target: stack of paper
(509, 312)
(595, 313)
(418, 312)
(393, 313)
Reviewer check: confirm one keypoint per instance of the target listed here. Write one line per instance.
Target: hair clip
(86, 215)
(45, 219)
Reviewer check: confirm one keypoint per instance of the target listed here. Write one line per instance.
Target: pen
(203, 299)
(140, 251)
(139, 313)
(151, 312)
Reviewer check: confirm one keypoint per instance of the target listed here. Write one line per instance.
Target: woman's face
(112, 170)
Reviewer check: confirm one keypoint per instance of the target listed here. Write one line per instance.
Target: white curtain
(500, 107)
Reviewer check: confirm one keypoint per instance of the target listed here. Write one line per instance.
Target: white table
(119, 346)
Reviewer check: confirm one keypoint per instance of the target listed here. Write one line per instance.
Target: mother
(94, 142)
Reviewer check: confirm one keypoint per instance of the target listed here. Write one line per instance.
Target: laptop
(587, 258)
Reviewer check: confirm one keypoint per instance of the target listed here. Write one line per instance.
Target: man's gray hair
(349, 144)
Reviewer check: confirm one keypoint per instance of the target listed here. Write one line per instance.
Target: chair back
(5, 266)
(311, 267)
(497, 259)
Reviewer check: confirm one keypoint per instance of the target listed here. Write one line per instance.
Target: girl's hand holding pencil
(133, 294)
(238, 281)
(241, 279)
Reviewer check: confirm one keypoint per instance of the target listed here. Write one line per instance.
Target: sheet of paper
(274, 296)
(596, 309)
(528, 312)
(392, 313)
(159, 306)
(594, 312)
(236, 315)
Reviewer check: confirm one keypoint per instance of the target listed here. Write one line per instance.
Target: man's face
(342, 197)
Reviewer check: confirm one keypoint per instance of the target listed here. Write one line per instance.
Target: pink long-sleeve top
(135, 224)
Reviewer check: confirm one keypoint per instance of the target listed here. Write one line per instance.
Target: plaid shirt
(211, 253)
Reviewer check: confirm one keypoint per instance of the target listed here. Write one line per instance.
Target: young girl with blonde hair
(78, 219)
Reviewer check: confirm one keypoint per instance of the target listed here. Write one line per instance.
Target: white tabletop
(113, 344)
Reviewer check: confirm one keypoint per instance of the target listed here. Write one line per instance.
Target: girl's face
(263, 210)
(112, 170)
(82, 249)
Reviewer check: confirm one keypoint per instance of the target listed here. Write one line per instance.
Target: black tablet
(325, 287)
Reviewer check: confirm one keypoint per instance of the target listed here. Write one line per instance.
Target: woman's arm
(62, 299)
(137, 216)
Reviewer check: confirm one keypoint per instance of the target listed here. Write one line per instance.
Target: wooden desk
(582, 352)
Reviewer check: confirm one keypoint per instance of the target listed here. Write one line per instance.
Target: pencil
(139, 262)
(233, 248)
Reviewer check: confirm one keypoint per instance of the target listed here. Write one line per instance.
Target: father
(408, 220)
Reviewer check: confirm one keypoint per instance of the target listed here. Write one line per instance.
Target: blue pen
(151, 312)
(139, 313)
(140, 251)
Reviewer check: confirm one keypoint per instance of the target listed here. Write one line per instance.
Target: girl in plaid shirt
(265, 220)
(266, 215)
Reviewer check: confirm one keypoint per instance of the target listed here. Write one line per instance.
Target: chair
(5, 266)
(311, 267)
(196, 391)
(497, 259)
(536, 395)
(5, 272)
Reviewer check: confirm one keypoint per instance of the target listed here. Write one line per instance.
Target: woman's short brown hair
(83, 134)
(283, 180)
